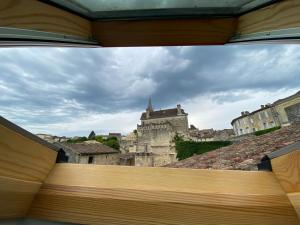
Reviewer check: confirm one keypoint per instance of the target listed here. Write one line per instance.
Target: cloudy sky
(71, 91)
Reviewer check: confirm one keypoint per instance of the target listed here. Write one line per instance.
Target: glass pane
(99, 9)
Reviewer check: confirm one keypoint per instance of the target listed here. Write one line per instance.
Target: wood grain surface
(295, 200)
(91, 194)
(287, 170)
(35, 15)
(22, 158)
(282, 15)
(164, 32)
(16, 196)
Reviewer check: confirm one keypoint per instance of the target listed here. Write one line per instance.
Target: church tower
(149, 109)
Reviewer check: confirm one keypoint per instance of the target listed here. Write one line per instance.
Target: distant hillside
(244, 154)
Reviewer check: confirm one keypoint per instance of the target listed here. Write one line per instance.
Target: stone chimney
(243, 113)
(262, 106)
(179, 111)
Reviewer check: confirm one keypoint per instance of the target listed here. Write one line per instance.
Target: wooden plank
(93, 194)
(16, 196)
(32, 14)
(165, 32)
(285, 14)
(287, 170)
(295, 200)
(23, 158)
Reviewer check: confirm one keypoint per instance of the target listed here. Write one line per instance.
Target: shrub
(186, 149)
(261, 132)
(77, 140)
(112, 142)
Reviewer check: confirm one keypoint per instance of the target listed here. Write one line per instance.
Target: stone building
(209, 134)
(153, 141)
(128, 143)
(280, 113)
(89, 152)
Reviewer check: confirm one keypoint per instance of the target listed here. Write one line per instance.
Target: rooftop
(162, 113)
(244, 154)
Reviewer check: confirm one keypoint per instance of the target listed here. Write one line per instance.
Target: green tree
(99, 138)
(112, 142)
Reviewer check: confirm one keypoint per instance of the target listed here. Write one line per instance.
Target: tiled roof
(89, 148)
(162, 113)
(244, 154)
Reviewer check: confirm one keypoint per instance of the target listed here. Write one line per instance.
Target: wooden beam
(16, 196)
(282, 15)
(35, 15)
(165, 32)
(23, 158)
(92, 194)
(287, 170)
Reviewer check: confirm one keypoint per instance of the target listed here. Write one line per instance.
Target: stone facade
(100, 159)
(89, 152)
(153, 140)
(128, 143)
(280, 113)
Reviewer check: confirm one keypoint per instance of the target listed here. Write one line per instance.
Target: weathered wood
(16, 196)
(287, 170)
(91, 194)
(23, 158)
(164, 32)
(35, 15)
(282, 15)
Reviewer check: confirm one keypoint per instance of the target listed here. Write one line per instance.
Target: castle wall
(179, 123)
(154, 137)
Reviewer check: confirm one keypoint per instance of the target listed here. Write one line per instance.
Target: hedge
(261, 132)
(186, 149)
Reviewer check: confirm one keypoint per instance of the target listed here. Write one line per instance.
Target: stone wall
(281, 108)
(154, 137)
(143, 159)
(179, 123)
(293, 113)
(150, 159)
(101, 159)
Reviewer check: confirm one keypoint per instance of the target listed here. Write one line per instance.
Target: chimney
(242, 113)
(179, 112)
(262, 106)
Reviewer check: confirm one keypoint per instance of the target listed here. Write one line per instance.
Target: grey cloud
(49, 85)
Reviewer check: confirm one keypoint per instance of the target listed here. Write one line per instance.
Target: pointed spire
(150, 108)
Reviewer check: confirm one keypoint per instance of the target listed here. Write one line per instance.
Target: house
(88, 152)
(283, 112)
